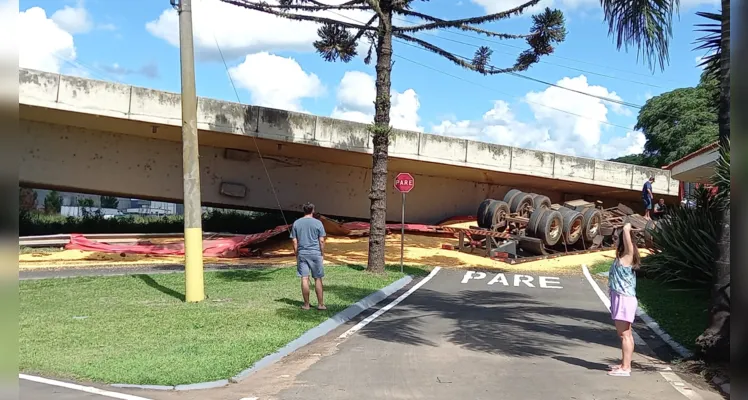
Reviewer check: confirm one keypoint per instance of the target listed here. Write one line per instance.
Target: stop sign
(404, 182)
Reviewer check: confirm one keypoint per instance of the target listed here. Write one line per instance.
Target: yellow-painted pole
(193, 231)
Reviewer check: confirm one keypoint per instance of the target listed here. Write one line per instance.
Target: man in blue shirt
(308, 236)
(647, 196)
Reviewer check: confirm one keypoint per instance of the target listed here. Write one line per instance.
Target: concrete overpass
(108, 138)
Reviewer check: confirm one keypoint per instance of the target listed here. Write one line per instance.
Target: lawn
(137, 329)
(682, 312)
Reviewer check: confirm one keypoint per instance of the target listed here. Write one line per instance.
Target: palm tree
(647, 25)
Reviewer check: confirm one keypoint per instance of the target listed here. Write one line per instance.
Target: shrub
(38, 223)
(685, 242)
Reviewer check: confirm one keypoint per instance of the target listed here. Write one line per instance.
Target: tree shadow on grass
(248, 275)
(412, 270)
(148, 280)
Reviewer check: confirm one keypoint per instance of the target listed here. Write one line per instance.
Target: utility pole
(193, 231)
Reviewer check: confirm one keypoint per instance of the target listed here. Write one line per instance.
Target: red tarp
(230, 246)
(220, 247)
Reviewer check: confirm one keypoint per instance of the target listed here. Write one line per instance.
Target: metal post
(193, 232)
(402, 235)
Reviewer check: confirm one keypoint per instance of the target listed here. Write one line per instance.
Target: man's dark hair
(651, 178)
(308, 208)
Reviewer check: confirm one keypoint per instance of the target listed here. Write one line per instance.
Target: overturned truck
(528, 226)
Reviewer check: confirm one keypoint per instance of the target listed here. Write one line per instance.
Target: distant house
(695, 170)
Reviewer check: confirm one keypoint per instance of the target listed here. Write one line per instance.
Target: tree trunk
(714, 343)
(380, 144)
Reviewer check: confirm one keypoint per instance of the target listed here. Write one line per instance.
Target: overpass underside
(90, 153)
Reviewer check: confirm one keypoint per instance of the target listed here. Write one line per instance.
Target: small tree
(86, 202)
(53, 202)
(338, 40)
(27, 199)
(109, 202)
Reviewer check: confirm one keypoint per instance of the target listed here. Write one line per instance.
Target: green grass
(137, 329)
(682, 312)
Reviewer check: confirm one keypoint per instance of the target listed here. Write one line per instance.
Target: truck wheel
(520, 204)
(573, 224)
(551, 227)
(592, 220)
(540, 201)
(496, 213)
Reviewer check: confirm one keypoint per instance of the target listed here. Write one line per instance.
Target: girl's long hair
(636, 259)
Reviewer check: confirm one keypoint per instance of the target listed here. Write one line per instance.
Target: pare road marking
(543, 282)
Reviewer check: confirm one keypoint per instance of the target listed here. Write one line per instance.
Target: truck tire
(550, 227)
(481, 215)
(510, 195)
(532, 226)
(573, 223)
(592, 220)
(496, 212)
(540, 201)
(520, 203)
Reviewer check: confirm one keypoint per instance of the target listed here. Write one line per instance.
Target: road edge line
(671, 377)
(81, 388)
(325, 327)
(389, 306)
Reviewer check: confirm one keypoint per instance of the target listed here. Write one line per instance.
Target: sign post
(404, 183)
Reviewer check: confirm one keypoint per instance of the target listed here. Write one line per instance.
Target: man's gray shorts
(310, 263)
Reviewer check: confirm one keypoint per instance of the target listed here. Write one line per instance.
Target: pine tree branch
(361, 31)
(316, 5)
(374, 4)
(456, 59)
(455, 23)
(298, 17)
(466, 28)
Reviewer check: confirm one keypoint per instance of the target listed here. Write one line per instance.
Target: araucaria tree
(339, 39)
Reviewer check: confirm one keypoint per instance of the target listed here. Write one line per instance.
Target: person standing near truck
(647, 196)
(308, 236)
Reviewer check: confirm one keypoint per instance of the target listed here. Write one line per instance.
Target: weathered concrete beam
(91, 97)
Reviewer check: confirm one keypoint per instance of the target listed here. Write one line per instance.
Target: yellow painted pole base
(193, 265)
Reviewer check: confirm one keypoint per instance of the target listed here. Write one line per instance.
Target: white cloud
(275, 81)
(74, 20)
(42, 44)
(356, 94)
(552, 129)
(240, 31)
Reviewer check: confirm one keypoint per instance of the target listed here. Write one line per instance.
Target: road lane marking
(386, 308)
(81, 388)
(675, 381)
(543, 282)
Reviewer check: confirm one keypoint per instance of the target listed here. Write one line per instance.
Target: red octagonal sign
(404, 182)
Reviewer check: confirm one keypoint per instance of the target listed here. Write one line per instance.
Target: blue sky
(128, 41)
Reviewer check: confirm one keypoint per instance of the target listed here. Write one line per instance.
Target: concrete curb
(655, 327)
(309, 336)
(325, 327)
(722, 383)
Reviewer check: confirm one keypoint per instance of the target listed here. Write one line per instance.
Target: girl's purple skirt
(622, 308)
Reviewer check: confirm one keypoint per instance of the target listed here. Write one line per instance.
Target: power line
(615, 101)
(504, 93)
(608, 99)
(257, 147)
(541, 61)
(556, 56)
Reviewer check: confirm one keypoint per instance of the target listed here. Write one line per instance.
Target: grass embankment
(682, 312)
(137, 329)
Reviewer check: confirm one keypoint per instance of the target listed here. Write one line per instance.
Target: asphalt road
(477, 340)
(38, 391)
